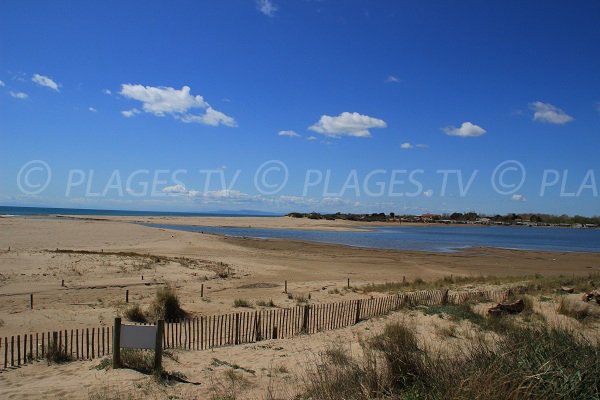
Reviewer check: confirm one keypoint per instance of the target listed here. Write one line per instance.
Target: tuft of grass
(456, 312)
(104, 364)
(166, 305)
(139, 360)
(523, 363)
(263, 303)
(134, 313)
(577, 310)
(300, 299)
(56, 354)
(532, 284)
(242, 303)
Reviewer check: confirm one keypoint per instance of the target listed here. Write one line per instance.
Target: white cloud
(422, 145)
(392, 79)
(518, 197)
(178, 103)
(406, 146)
(130, 113)
(288, 133)
(45, 81)
(212, 117)
(311, 138)
(467, 129)
(2, 84)
(428, 193)
(92, 109)
(175, 189)
(347, 124)
(546, 112)
(266, 7)
(106, 92)
(18, 95)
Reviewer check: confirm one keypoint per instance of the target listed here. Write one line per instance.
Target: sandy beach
(100, 258)
(96, 277)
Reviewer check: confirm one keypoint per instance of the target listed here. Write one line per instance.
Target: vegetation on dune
(269, 303)
(57, 354)
(134, 313)
(242, 303)
(524, 363)
(532, 284)
(166, 305)
(575, 309)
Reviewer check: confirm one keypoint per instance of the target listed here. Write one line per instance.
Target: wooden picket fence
(73, 344)
(213, 331)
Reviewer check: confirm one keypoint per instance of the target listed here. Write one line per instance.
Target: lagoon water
(430, 238)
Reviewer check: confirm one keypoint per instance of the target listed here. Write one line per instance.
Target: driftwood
(566, 289)
(591, 296)
(508, 308)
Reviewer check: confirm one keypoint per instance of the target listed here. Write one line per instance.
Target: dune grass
(166, 305)
(134, 313)
(575, 309)
(533, 284)
(525, 363)
(242, 303)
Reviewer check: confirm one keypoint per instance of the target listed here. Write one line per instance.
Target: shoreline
(463, 249)
(109, 256)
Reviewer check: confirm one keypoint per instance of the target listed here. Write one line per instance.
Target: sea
(8, 211)
(429, 238)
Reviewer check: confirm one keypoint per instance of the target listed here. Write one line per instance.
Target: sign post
(117, 344)
(148, 337)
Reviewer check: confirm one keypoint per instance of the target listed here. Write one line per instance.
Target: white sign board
(138, 336)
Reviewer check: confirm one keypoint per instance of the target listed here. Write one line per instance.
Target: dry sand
(95, 283)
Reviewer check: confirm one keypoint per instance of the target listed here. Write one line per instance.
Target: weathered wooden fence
(73, 344)
(213, 331)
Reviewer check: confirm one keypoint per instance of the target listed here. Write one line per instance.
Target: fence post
(348, 283)
(126, 295)
(257, 327)
(202, 290)
(305, 319)
(357, 316)
(237, 328)
(116, 361)
(285, 290)
(274, 336)
(445, 297)
(31, 301)
(160, 326)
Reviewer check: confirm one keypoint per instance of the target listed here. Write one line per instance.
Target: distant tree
(456, 216)
(471, 216)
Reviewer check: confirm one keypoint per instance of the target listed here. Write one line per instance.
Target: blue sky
(347, 99)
